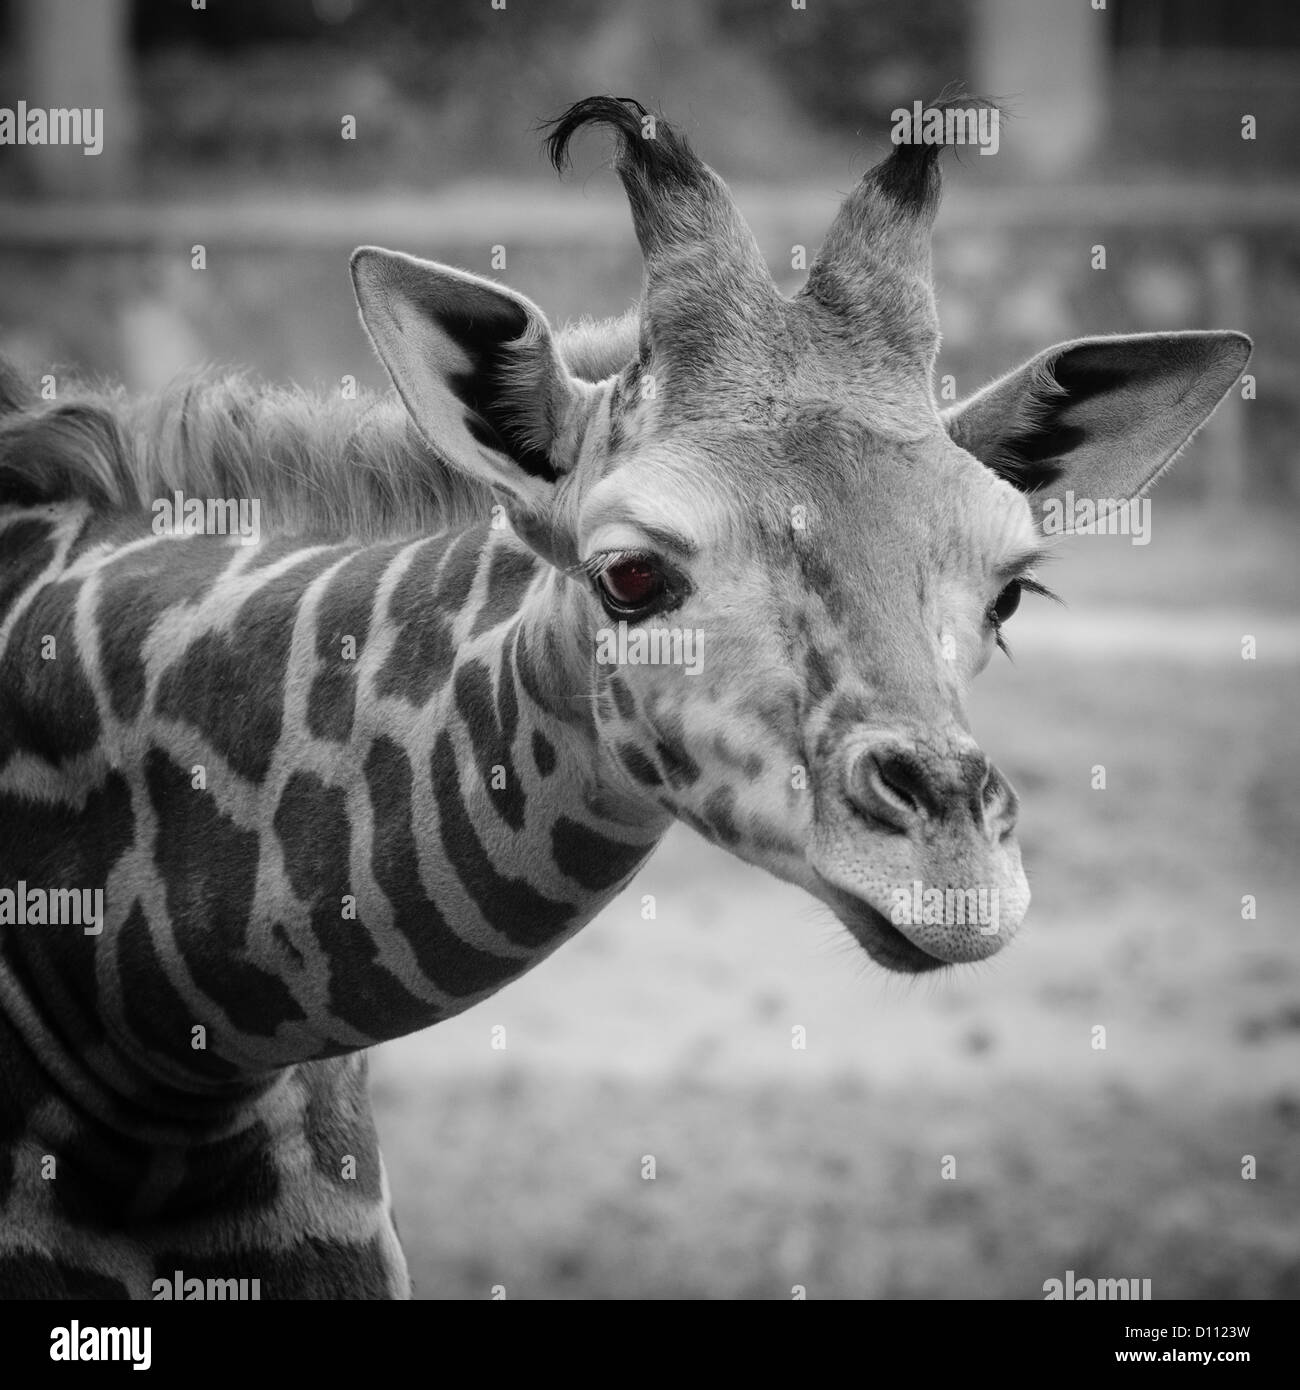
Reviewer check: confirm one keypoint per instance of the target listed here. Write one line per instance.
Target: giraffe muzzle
(907, 788)
(917, 854)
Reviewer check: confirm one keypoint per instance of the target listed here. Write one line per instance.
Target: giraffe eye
(1005, 604)
(631, 585)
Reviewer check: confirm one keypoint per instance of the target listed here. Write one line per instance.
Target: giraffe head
(781, 564)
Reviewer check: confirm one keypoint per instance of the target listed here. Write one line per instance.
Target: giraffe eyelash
(596, 565)
(1035, 586)
(1028, 585)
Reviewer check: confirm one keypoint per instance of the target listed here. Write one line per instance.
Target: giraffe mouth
(877, 935)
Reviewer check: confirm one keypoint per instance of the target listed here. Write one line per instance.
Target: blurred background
(1163, 132)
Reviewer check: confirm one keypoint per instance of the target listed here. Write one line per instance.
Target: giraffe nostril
(1001, 804)
(889, 784)
(904, 777)
(983, 788)
(989, 792)
(901, 786)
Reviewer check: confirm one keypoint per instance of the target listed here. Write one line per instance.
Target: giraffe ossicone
(349, 779)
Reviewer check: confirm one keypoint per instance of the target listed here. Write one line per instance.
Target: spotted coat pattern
(332, 798)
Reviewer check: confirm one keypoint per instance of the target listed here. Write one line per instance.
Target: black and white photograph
(804, 491)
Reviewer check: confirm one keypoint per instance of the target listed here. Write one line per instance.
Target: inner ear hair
(1105, 416)
(526, 410)
(1029, 444)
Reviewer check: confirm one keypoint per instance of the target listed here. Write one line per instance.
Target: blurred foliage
(845, 60)
(258, 86)
(254, 89)
(837, 58)
(244, 100)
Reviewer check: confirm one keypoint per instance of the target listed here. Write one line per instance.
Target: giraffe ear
(475, 365)
(1101, 417)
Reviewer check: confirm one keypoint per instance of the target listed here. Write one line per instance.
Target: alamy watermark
(651, 646)
(54, 907)
(178, 1288)
(59, 125)
(73, 1342)
(1098, 516)
(179, 515)
(1083, 1290)
(947, 125)
(919, 906)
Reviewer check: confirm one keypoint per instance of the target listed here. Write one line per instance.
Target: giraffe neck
(333, 793)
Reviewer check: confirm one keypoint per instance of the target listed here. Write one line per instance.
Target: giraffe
(345, 782)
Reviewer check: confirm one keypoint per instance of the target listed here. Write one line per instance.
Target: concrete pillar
(73, 54)
(1047, 63)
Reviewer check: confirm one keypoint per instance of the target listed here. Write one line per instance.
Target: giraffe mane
(320, 464)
